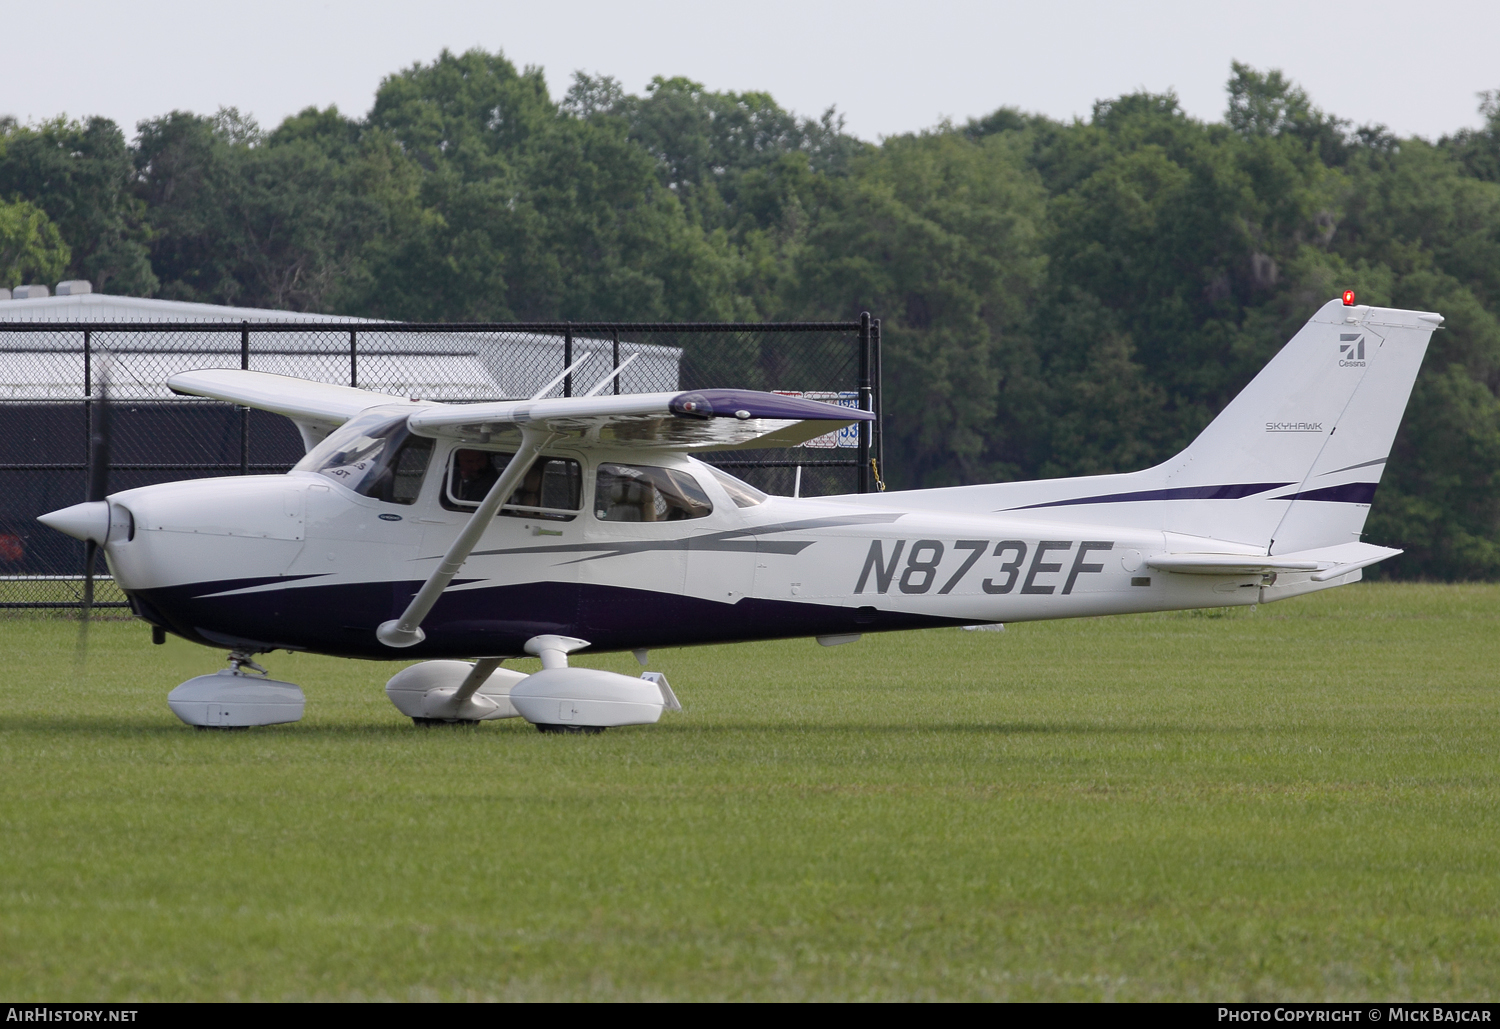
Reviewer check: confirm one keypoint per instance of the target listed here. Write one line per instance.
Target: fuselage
(303, 562)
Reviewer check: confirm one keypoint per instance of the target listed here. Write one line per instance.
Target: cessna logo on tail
(1352, 347)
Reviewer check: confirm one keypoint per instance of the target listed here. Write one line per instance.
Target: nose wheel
(236, 697)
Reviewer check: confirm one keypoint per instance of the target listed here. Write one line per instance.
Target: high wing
(710, 419)
(317, 408)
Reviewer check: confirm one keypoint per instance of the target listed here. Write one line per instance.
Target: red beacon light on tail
(1348, 298)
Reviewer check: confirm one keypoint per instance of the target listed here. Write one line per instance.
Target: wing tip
(746, 403)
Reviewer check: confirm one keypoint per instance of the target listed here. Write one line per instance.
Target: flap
(301, 400)
(717, 419)
(1327, 562)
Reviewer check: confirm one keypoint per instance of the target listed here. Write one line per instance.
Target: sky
(887, 67)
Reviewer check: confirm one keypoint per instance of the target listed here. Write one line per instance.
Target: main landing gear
(558, 699)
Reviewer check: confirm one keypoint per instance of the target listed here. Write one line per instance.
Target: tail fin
(1291, 465)
(1305, 443)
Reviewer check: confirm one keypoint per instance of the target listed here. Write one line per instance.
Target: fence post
(244, 411)
(88, 434)
(88, 392)
(615, 337)
(879, 424)
(865, 400)
(353, 359)
(568, 359)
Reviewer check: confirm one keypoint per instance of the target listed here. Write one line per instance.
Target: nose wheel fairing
(235, 699)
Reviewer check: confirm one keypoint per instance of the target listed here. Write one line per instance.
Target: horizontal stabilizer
(1326, 562)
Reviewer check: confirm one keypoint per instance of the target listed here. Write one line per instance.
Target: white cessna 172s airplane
(488, 531)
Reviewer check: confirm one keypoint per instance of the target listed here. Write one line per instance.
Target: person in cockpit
(473, 475)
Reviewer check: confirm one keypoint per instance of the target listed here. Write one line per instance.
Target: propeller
(98, 489)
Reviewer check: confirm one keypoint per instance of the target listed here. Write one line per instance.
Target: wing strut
(406, 631)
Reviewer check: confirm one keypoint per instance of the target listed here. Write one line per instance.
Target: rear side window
(552, 488)
(643, 493)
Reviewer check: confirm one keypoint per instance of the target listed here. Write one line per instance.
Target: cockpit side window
(642, 493)
(404, 484)
(552, 488)
(375, 456)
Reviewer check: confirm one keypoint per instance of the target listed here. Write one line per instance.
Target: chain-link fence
(51, 375)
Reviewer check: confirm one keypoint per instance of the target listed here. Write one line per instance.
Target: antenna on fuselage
(569, 370)
(611, 376)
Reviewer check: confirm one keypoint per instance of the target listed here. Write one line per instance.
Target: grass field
(1296, 802)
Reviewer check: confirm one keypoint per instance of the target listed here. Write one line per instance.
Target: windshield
(742, 493)
(375, 456)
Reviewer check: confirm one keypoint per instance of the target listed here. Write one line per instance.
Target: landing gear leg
(445, 692)
(240, 658)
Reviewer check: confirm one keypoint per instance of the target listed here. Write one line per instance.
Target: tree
(466, 112)
(1268, 105)
(940, 235)
(31, 248)
(80, 174)
(1479, 151)
(280, 220)
(528, 210)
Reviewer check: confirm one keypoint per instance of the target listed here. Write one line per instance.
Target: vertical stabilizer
(1306, 441)
(1290, 465)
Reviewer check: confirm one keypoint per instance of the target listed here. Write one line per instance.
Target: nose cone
(81, 521)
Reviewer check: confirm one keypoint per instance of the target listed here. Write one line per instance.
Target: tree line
(1058, 298)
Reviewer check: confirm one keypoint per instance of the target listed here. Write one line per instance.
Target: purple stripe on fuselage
(341, 619)
(1348, 493)
(1229, 491)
